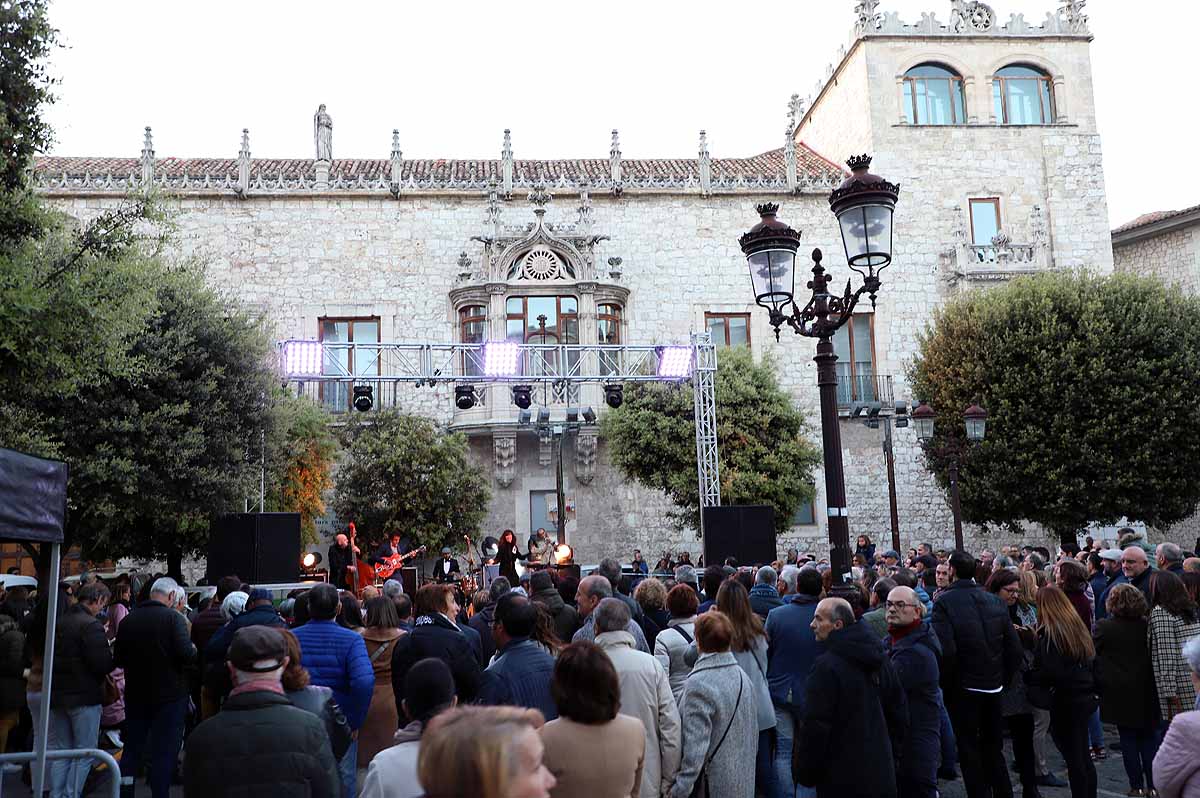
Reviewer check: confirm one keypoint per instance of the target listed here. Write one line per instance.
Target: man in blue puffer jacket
(337, 658)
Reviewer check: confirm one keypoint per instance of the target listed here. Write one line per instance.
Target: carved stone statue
(323, 134)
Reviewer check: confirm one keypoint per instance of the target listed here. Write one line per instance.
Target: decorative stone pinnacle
(507, 149)
(245, 152)
(703, 143)
(395, 143)
(148, 144)
(615, 150)
(539, 197)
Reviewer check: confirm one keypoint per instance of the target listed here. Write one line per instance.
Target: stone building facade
(989, 127)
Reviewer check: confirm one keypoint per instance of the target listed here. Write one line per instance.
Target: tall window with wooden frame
(1023, 95)
(546, 320)
(728, 329)
(854, 345)
(345, 361)
(933, 95)
(472, 329)
(608, 332)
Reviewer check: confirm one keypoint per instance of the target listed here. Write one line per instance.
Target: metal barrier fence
(104, 757)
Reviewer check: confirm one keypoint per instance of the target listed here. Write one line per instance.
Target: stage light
(363, 399)
(614, 394)
(522, 396)
(501, 358)
(564, 554)
(572, 415)
(543, 416)
(589, 415)
(464, 397)
(523, 417)
(302, 358)
(310, 560)
(675, 362)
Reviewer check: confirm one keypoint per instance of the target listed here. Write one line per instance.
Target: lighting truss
(506, 362)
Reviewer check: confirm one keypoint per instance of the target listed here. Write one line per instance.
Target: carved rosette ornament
(504, 458)
(586, 444)
(969, 16)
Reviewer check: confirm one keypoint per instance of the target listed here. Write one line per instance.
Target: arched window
(933, 95)
(1022, 95)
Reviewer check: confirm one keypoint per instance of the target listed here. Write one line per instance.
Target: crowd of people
(769, 680)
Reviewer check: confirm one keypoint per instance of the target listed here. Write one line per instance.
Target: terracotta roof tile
(1152, 217)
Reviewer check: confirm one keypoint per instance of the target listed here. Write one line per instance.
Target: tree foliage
(765, 455)
(1090, 384)
(26, 40)
(300, 453)
(402, 473)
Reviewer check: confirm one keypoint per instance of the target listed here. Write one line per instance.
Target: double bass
(359, 574)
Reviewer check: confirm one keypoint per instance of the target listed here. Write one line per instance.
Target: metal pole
(262, 473)
(835, 484)
(891, 474)
(561, 522)
(43, 718)
(958, 536)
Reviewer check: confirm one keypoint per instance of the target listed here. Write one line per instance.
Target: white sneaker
(114, 737)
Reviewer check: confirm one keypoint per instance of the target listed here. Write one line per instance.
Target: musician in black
(446, 570)
(340, 557)
(508, 556)
(395, 544)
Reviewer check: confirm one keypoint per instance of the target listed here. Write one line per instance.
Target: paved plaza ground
(1112, 781)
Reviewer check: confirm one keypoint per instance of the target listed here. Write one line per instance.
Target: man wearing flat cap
(445, 570)
(259, 744)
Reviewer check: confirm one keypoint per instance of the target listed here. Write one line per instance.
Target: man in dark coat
(980, 655)
(854, 703)
(210, 620)
(446, 569)
(482, 621)
(154, 648)
(522, 672)
(566, 619)
(914, 651)
(260, 611)
(1136, 567)
(764, 596)
(259, 744)
(341, 556)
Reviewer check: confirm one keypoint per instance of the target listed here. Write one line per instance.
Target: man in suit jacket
(446, 570)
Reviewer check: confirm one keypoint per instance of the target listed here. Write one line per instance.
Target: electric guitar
(388, 566)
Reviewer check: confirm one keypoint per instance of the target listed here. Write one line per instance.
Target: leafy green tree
(26, 40)
(157, 454)
(1090, 384)
(300, 453)
(402, 473)
(765, 454)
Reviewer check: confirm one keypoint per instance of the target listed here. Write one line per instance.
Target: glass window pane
(569, 304)
(336, 331)
(1020, 72)
(985, 221)
(1024, 102)
(739, 330)
(514, 330)
(997, 102)
(716, 328)
(366, 332)
(570, 333)
(864, 359)
(922, 102)
(804, 515)
(938, 92)
(908, 102)
(1047, 103)
(514, 305)
(841, 348)
(960, 115)
(541, 306)
(930, 71)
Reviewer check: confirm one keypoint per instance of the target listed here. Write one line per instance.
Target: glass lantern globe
(864, 205)
(976, 419)
(770, 248)
(922, 418)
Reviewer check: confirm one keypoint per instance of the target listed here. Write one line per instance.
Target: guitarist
(389, 548)
(445, 570)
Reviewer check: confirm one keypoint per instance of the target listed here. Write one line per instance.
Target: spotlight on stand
(873, 411)
(501, 358)
(464, 397)
(522, 396)
(543, 416)
(523, 417)
(675, 362)
(310, 561)
(363, 400)
(302, 358)
(614, 394)
(589, 415)
(901, 413)
(564, 554)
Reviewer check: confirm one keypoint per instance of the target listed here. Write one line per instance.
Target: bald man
(914, 651)
(853, 703)
(1136, 567)
(1191, 565)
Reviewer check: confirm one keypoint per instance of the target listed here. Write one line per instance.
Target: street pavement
(1111, 778)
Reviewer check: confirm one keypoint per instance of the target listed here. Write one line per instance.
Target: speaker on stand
(261, 548)
(745, 532)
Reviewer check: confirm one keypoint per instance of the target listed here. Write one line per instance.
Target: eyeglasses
(897, 605)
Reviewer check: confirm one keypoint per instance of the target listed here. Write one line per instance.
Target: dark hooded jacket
(915, 658)
(854, 703)
(980, 649)
(481, 622)
(566, 619)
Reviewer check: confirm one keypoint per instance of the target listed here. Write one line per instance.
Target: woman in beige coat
(591, 749)
(380, 635)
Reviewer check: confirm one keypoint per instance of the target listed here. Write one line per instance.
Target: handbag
(700, 788)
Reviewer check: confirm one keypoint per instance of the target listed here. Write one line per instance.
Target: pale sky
(452, 75)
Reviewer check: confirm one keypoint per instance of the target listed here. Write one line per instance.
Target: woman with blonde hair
(1026, 606)
(1062, 680)
(484, 752)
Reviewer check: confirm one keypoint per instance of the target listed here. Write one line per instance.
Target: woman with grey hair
(1176, 767)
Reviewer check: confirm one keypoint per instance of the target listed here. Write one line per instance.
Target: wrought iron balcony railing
(865, 388)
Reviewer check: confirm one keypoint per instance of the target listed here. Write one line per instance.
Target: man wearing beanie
(428, 690)
(259, 744)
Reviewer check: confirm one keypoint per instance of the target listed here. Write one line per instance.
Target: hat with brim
(1111, 554)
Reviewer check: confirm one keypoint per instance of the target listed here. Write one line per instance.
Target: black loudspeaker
(408, 578)
(261, 548)
(745, 532)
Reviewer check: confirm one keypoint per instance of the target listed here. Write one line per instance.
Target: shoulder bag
(700, 788)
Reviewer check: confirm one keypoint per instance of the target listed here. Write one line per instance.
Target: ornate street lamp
(975, 420)
(863, 205)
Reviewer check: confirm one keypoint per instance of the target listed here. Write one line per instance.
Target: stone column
(971, 100)
(1060, 100)
(322, 168)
